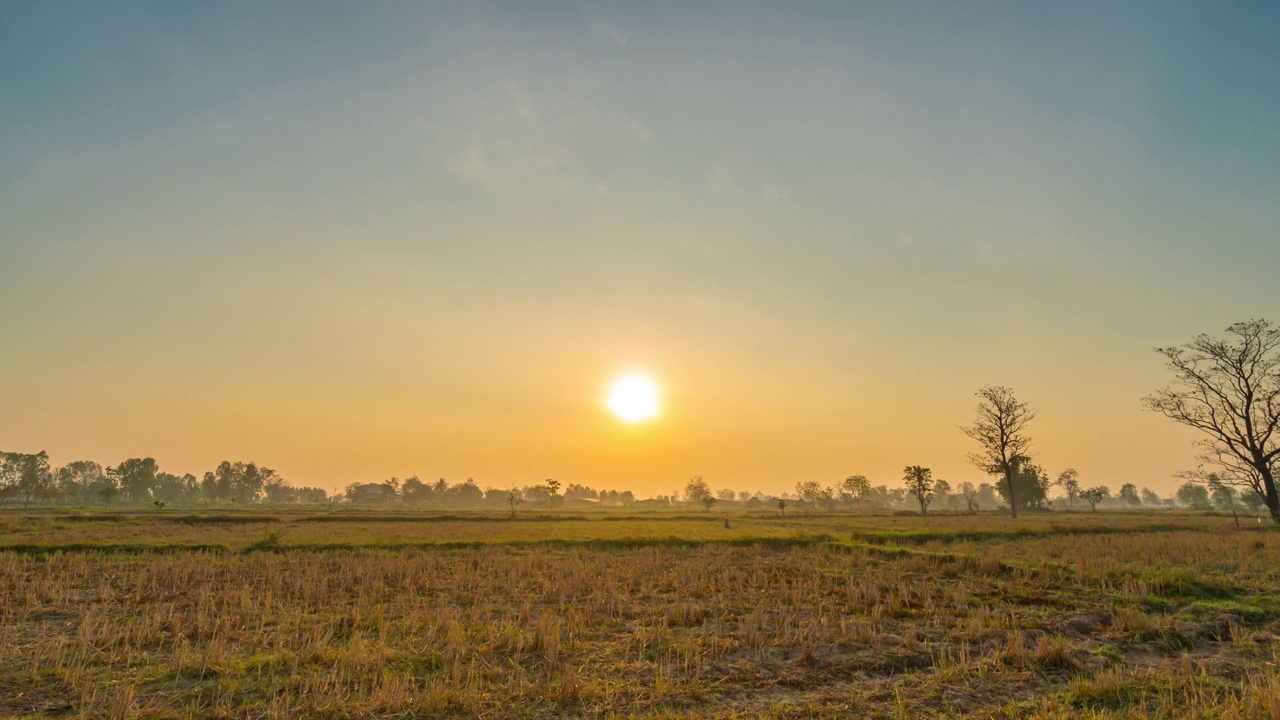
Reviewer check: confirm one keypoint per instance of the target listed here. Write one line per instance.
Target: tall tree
(1229, 390)
(1001, 430)
(920, 483)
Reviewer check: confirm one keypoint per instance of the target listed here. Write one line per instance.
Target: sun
(633, 398)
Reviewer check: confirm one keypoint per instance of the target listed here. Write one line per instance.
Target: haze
(351, 241)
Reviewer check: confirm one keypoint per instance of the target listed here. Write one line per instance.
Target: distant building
(372, 494)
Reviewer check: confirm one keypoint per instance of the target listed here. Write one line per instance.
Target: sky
(351, 241)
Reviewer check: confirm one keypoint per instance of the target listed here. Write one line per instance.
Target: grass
(637, 615)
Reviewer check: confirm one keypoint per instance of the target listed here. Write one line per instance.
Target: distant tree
(514, 498)
(466, 493)
(1001, 432)
(782, 507)
(75, 478)
(441, 486)
(392, 484)
(351, 491)
(26, 474)
(1194, 496)
(920, 483)
(1150, 498)
(854, 489)
(1129, 495)
(941, 489)
(810, 493)
(1229, 390)
(696, 489)
(726, 494)
(744, 496)
(1253, 501)
(553, 487)
(708, 502)
(576, 492)
(987, 495)
(970, 495)
(1095, 495)
(1222, 495)
(1030, 485)
(1069, 481)
(414, 490)
(107, 492)
(626, 497)
(209, 486)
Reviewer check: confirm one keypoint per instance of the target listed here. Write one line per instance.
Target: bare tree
(1229, 390)
(514, 498)
(1000, 429)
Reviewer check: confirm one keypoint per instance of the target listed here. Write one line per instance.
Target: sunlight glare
(634, 398)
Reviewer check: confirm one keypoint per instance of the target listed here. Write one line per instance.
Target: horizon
(350, 245)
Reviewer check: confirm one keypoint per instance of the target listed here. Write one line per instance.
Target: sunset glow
(634, 398)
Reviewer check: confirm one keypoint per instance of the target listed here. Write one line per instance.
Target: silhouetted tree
(1001, 430)
(1229, 390)
(1030, 484)
(75, 478)
(514, 498)
(696, 489)
(1149, 497)
(708, 502)
(1095, 495)
(854, 489)
(1129, 495)
(1194, 496)
(920, 483)
(1069, 481)
(107, 492)
(1223, 497)
(810, 493)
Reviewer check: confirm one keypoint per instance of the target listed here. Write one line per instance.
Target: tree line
(28, 477)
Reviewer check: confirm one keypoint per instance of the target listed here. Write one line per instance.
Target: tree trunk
(1013, 500)
(1269, 485)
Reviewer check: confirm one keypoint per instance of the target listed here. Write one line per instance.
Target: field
(281, 613)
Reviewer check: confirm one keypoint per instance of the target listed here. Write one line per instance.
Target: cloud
(639, 131)
(609, 31)
(776, 194)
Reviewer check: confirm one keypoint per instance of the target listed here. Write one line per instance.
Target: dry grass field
(280, 615)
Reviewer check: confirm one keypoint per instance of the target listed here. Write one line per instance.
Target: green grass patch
(111, 548)
(628, 543)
